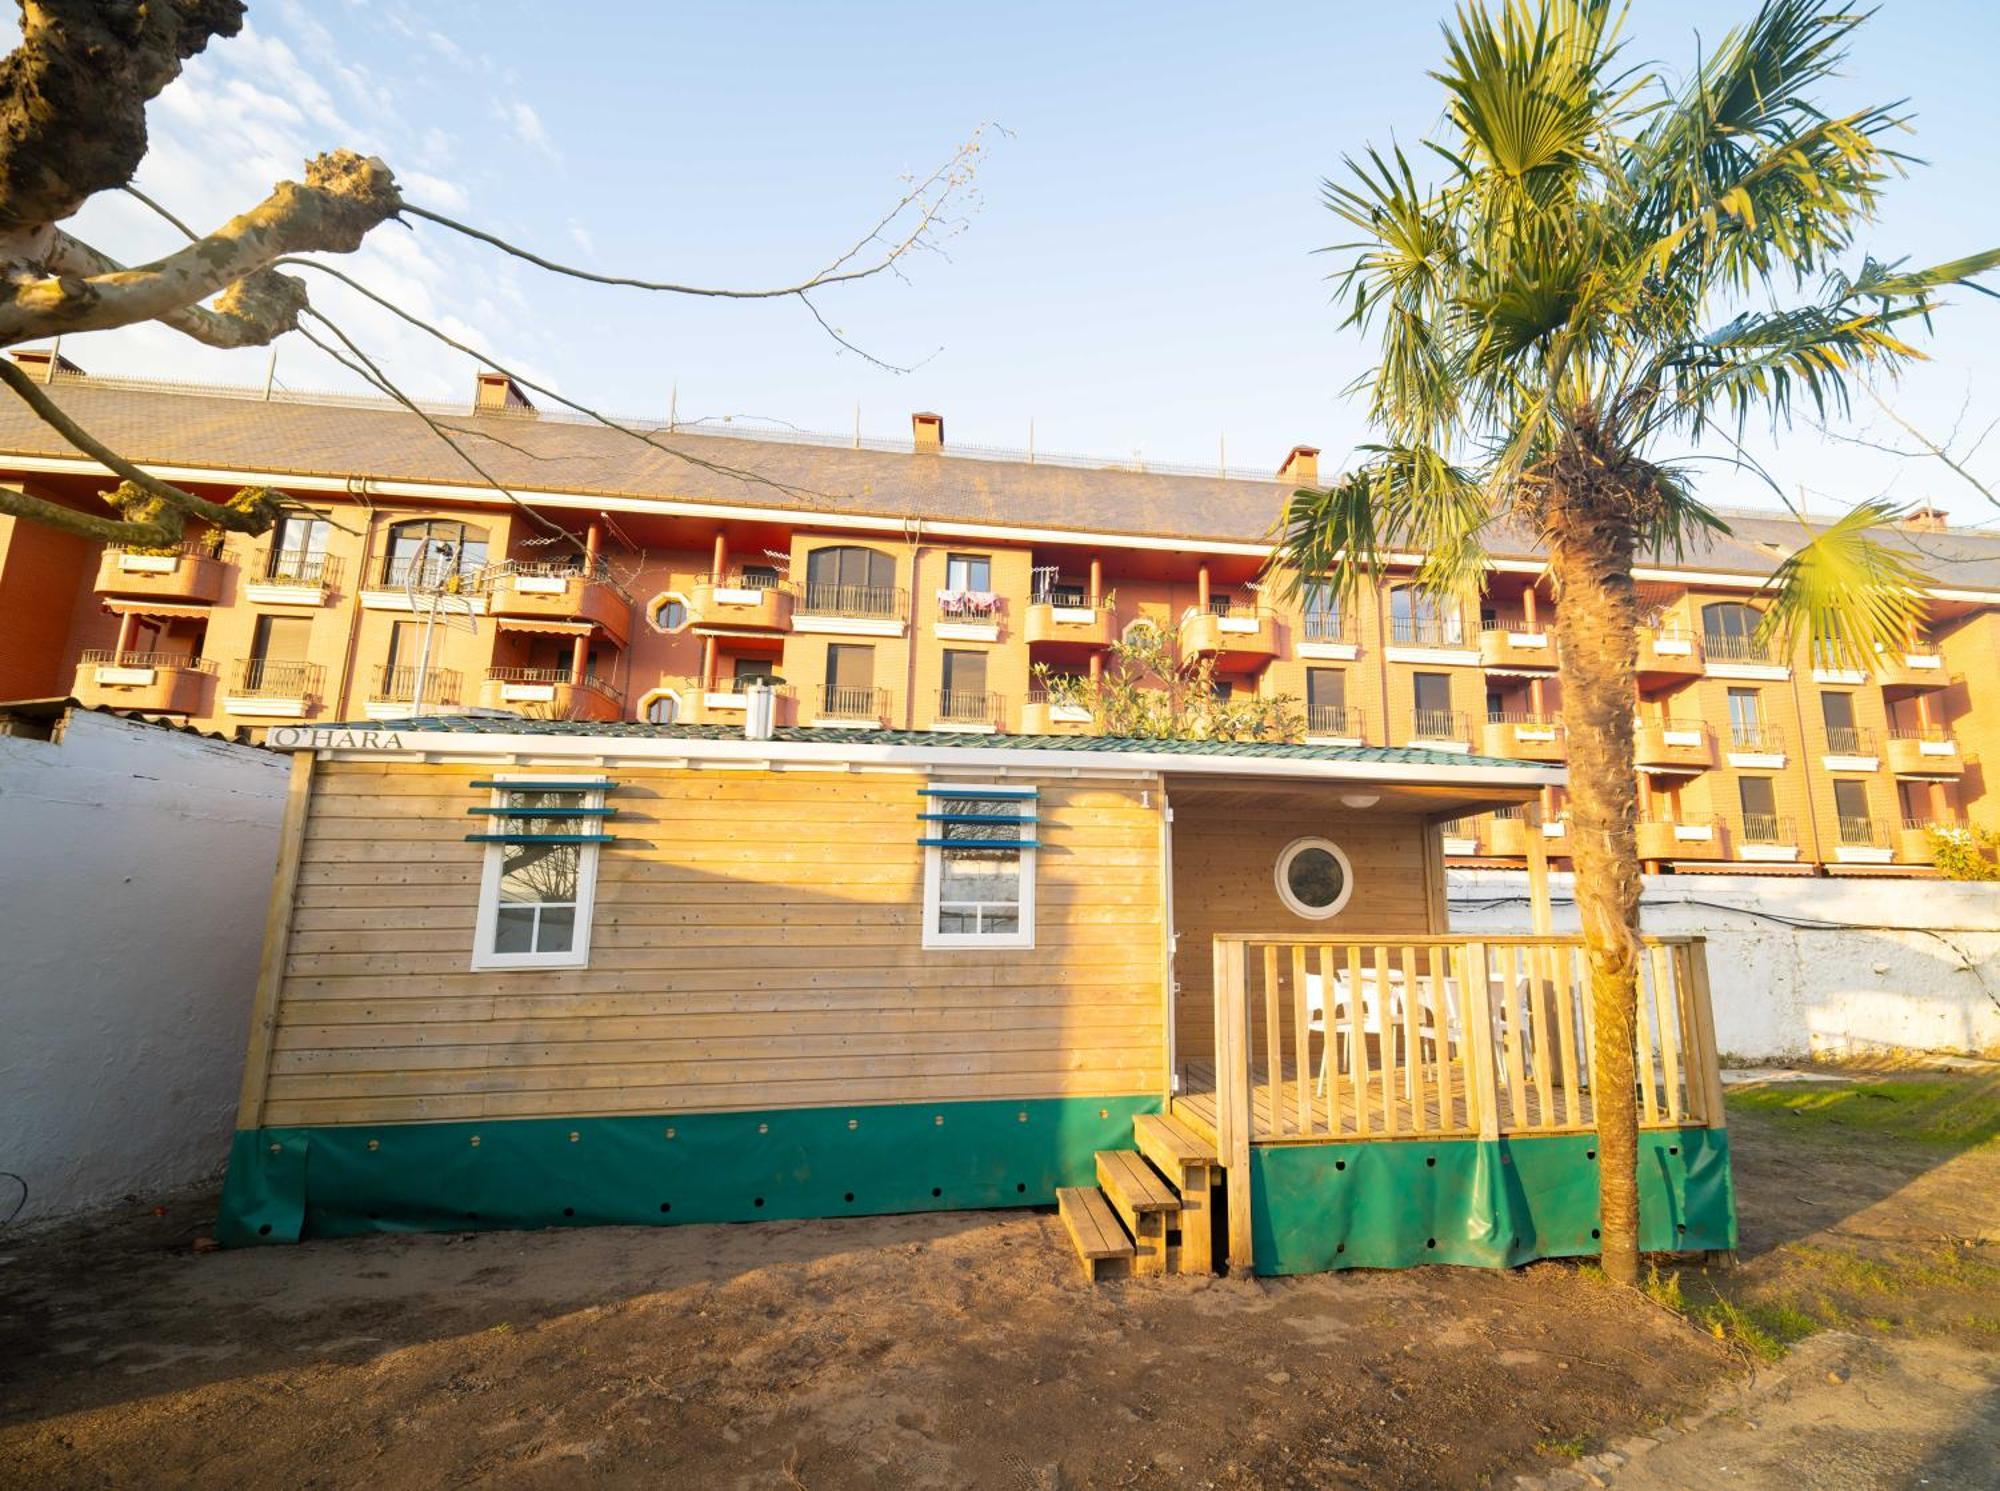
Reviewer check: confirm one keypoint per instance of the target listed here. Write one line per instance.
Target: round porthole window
(1314, 878)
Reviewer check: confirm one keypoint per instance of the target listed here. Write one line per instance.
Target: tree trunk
(1596, 626)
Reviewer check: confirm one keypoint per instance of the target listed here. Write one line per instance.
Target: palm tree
(1607, 263)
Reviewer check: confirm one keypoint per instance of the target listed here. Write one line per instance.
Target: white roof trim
(380, 743)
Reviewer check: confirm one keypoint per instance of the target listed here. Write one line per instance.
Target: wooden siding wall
(756, 945)
(1224, 858)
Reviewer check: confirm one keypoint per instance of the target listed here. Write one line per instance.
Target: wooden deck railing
(1339, 1038)
(1321, 1040)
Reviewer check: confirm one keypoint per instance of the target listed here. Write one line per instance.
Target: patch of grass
(1941, 1113)
(1568, 1447)
(1766, 1331)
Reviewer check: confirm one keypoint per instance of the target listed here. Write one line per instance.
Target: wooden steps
(1096, 1231)
(1150, 1214)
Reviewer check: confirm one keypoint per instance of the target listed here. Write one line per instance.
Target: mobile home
(1203, 995)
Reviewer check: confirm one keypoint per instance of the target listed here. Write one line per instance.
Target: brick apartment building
(917, 588)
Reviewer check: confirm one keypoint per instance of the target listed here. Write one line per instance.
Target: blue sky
(1139, 277)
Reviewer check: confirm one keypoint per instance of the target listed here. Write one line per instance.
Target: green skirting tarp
(339, 1181)
(1487, 1204)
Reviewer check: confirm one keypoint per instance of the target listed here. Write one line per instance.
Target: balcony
(1239, 635)
(1334, 724)
(1756, 745)
(1851, 748)
(851, 708)
(1730, 656)
(560, 592)
(272, 688)
(1440, 729)
(1516, 647)
(1914, 845)
(1924, 751)
(1523, 737)
(287, 577)
(187, 574)
(1506, 835)
(1461, 836)
(1075, 622)
(552, 694)
(1673, 746)
(392, 694)
(1768, 837)
(967, 616)
(1668, 655)
(1920, 666)
(1326, 636)
(740, 602)
(969, 713)
(726, 700)
(1662, 839)
(1044, 713)
(150, 682)
(852, 610)
(1860, 840)
(1441, 639)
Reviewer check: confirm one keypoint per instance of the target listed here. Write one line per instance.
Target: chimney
(928, 431)
(43, 363)
(1301, 467)
(496, 392)
(1926, 518)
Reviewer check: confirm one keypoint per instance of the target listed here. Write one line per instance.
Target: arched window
(848, 578)
(444, 549)
(1137, 629)
(1730, 619)
(661, 708)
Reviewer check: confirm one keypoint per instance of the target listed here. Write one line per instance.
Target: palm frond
(1402, 499)
(1853, 597)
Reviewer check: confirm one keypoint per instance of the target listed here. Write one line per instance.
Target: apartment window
(1422, 619)
(749, 670)
(1746, 718)
(1729, 632)
(968, 572)
(663, 708)
(1432, 714)
(298, 549)
(760, 577)
(1322, 613)
(540, 876)
(1850, 807)
(979, 867)
(964, 679)
(1326, 701)
(1220, 602)
(1222, 688)
(281, 639)
(1759, 799)
(405, 642)
(668, 613)
(850, 679)
(852, 581)
(1843, 736)
(433, 552)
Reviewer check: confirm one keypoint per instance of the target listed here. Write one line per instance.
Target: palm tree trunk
(1596, 619)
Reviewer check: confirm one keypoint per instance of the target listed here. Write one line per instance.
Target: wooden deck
(1342, 1115)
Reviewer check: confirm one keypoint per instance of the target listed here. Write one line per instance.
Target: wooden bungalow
(1204, 996)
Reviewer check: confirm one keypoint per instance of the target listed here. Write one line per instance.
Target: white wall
(135, 868)
(1881, 966)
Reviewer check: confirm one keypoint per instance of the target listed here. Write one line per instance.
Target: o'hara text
(306, 738)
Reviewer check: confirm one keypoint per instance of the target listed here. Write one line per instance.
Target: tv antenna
(435, 584)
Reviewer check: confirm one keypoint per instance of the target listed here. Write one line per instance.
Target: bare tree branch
(261, 307)
(343, 197)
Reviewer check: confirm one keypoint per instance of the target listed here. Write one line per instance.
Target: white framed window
(1314, 878)
(668, 612)
(979, 866)
(661, 707)
(539, 882)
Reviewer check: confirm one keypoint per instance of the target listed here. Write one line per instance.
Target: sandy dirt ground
(926, 1351)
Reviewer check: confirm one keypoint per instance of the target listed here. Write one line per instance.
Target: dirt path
(943, 1350)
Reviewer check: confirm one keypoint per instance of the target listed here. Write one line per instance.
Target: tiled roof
(232, 430)
(502, 724)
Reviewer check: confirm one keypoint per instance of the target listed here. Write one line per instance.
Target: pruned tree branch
(343, 197)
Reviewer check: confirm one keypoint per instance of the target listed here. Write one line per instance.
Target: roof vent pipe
(757, 710)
